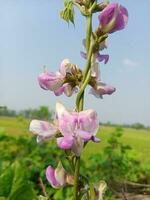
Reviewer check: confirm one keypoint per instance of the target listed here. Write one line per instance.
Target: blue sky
(32, 35)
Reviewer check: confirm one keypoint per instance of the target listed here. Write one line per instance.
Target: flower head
(98, 87)
(75, 127)
(113, 18)
(62, 81)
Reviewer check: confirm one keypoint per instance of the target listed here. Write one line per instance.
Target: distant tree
(138, 126)
(41, 113)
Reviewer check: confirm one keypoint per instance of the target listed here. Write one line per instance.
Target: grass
(139, 140)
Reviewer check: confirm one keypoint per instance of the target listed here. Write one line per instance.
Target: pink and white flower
(98, 87)
(57, 82)
(56, 177)
(76, 128)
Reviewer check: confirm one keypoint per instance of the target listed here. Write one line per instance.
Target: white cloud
(130, 63)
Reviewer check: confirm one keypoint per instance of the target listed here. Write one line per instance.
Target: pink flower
(76, 128)
(50, 81)
(56, 177)
(44, 130)
(98, 87)
(57, 82)
(113, 18)
(97, 55)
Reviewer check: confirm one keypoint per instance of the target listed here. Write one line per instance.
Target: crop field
(107, 160)
(139, 140)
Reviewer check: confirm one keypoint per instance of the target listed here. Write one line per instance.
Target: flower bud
(113, 18)
(56, 177)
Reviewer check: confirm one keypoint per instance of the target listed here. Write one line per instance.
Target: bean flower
(113, 18)
(56, 177)
(62, 81)
(98, 87)
(76, 128)
(100, 57)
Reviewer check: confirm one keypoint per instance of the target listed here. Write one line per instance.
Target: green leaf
(14, 183)
(6, 182)
(67, 13)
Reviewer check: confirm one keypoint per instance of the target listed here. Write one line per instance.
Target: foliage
(116, 164)
(35, 158)
(15, 184)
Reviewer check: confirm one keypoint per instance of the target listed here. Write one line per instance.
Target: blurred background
(32, 35)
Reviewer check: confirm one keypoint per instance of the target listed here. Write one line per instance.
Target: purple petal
(102, 88)
(84, 135)
(50, 175)
(65, 142)
(121, 19)
(67, 123)
(95, 139)
(59, 91)
(95, 93)
(43, 129)
(77, 146)
(113, 13)
(50, 81)
(101, 58)
(88, 121)
(83, 55)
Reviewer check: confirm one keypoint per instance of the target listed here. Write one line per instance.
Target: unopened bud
(70, 179)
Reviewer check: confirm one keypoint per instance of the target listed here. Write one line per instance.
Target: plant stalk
(80, 96)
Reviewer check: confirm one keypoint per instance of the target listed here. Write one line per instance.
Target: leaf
(67, 13)
(14, 183)
(6, 182)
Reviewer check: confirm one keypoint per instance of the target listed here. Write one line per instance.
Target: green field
(139, 140)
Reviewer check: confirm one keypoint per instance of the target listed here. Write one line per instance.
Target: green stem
(80, 96)
(88, 32)
(77, 168)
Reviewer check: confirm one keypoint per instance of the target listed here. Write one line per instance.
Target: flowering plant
(74, 129)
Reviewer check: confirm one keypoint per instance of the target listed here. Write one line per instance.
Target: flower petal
(83, 55)
(50, 175)
(43, 129)
(84, 135)
(50, 81)
(65, 64)
(65, 142)
(60, 174)
(67, 121)
(77, 146)
(88, 121)
(101, 58)
(95, 139)
(95, 71)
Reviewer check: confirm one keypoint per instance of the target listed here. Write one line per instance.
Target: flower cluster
(73, 129)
